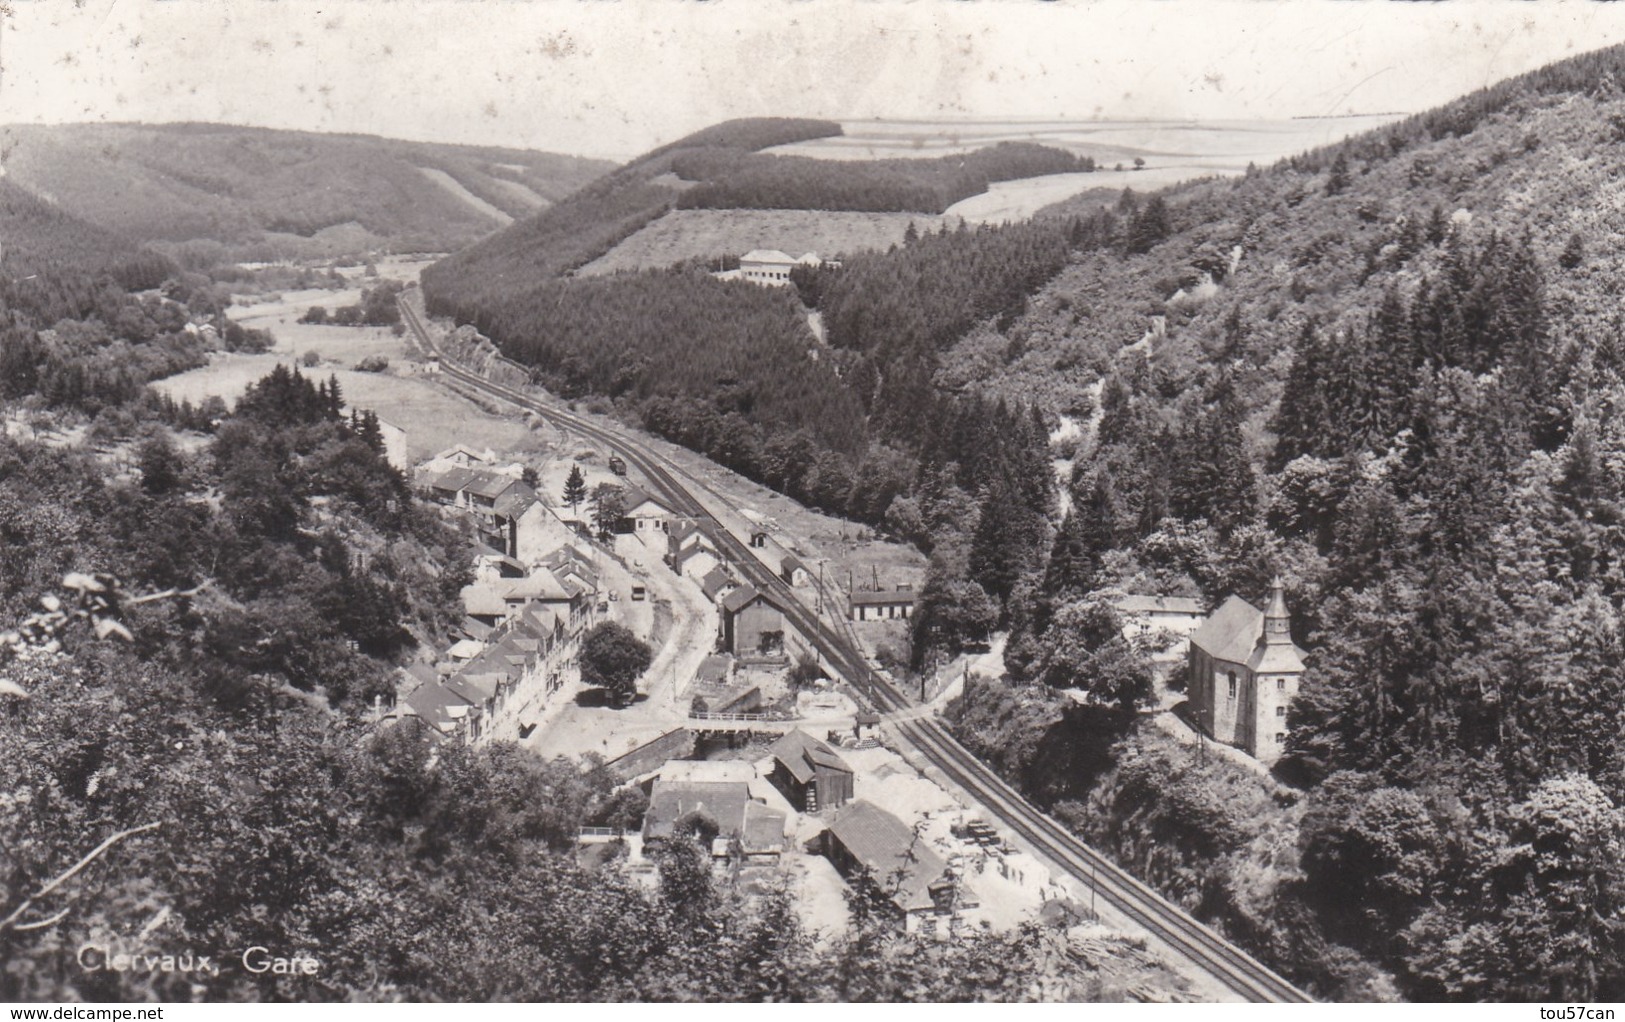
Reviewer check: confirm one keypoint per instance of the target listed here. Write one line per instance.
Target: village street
(681, 626)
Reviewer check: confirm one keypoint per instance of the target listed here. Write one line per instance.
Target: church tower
(1277, 620)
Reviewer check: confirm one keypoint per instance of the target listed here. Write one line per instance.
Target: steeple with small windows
(1277, 620)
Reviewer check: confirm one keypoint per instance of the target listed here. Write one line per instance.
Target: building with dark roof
(793, 571)
(871, 846)
(1245, 670)
(809, 773)
(644, 513)
(717, 583)
(757, 827)
(752, 624)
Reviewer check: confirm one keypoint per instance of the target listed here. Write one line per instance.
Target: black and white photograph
(844, 501)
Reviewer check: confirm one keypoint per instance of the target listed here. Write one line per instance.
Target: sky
(613, 78)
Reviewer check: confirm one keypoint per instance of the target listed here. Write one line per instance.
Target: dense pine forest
(737, 179)
(1389, 372)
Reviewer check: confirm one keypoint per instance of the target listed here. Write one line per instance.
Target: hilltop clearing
(685, 235)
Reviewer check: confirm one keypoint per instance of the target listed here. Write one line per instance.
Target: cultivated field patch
(707, 233)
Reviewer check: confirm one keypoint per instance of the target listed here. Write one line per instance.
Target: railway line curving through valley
(1183, 937)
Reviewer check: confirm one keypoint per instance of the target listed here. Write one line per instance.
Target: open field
(1235, 142)
(434, 418)
(1019, 200)
(705, 233)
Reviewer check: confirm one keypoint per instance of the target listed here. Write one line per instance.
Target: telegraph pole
(1093, 884)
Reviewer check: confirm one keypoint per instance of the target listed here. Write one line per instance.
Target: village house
(1245, 671)
(498, 600)
(1174, 616)
(882, 605)
(462, 698)
(572, 567)
(872, 847)
(688, 550)
(809, 773)
(717, 584)
(644, 513)
(496, 501)
(464, 456)
(744, 825)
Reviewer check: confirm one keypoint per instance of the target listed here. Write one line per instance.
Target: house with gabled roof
(793, 571)
(645, 512)
(447, 713)
(717, 583)
(753, 624)
(465, 456)
(1245, 670)
(751, 827)
(870, 846)
(1171, 619)
(809, 773)
(772, 267)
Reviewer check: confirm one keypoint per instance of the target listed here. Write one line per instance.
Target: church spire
(1277, 620)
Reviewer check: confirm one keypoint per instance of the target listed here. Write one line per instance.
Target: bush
(372, 364)
(806, 672)
(311, 359)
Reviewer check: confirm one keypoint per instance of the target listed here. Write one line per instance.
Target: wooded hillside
(1388, 372)
(211, 193)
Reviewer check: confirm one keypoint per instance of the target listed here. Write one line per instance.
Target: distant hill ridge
(720, 167)
(204, 193)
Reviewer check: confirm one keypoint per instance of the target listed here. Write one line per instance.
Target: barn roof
(636, 497)
(715, 581)
(492, 484)
(515, 501)
(898, 861)
(437, 704)
(538, 585)
(803, 755)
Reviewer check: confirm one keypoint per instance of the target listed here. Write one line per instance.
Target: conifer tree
(575, 488)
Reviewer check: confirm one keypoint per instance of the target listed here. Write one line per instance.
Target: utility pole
(1094, 883)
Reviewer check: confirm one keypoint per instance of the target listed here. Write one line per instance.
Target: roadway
(1181, 936)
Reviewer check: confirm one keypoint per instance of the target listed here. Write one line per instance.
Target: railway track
(1173, 927)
